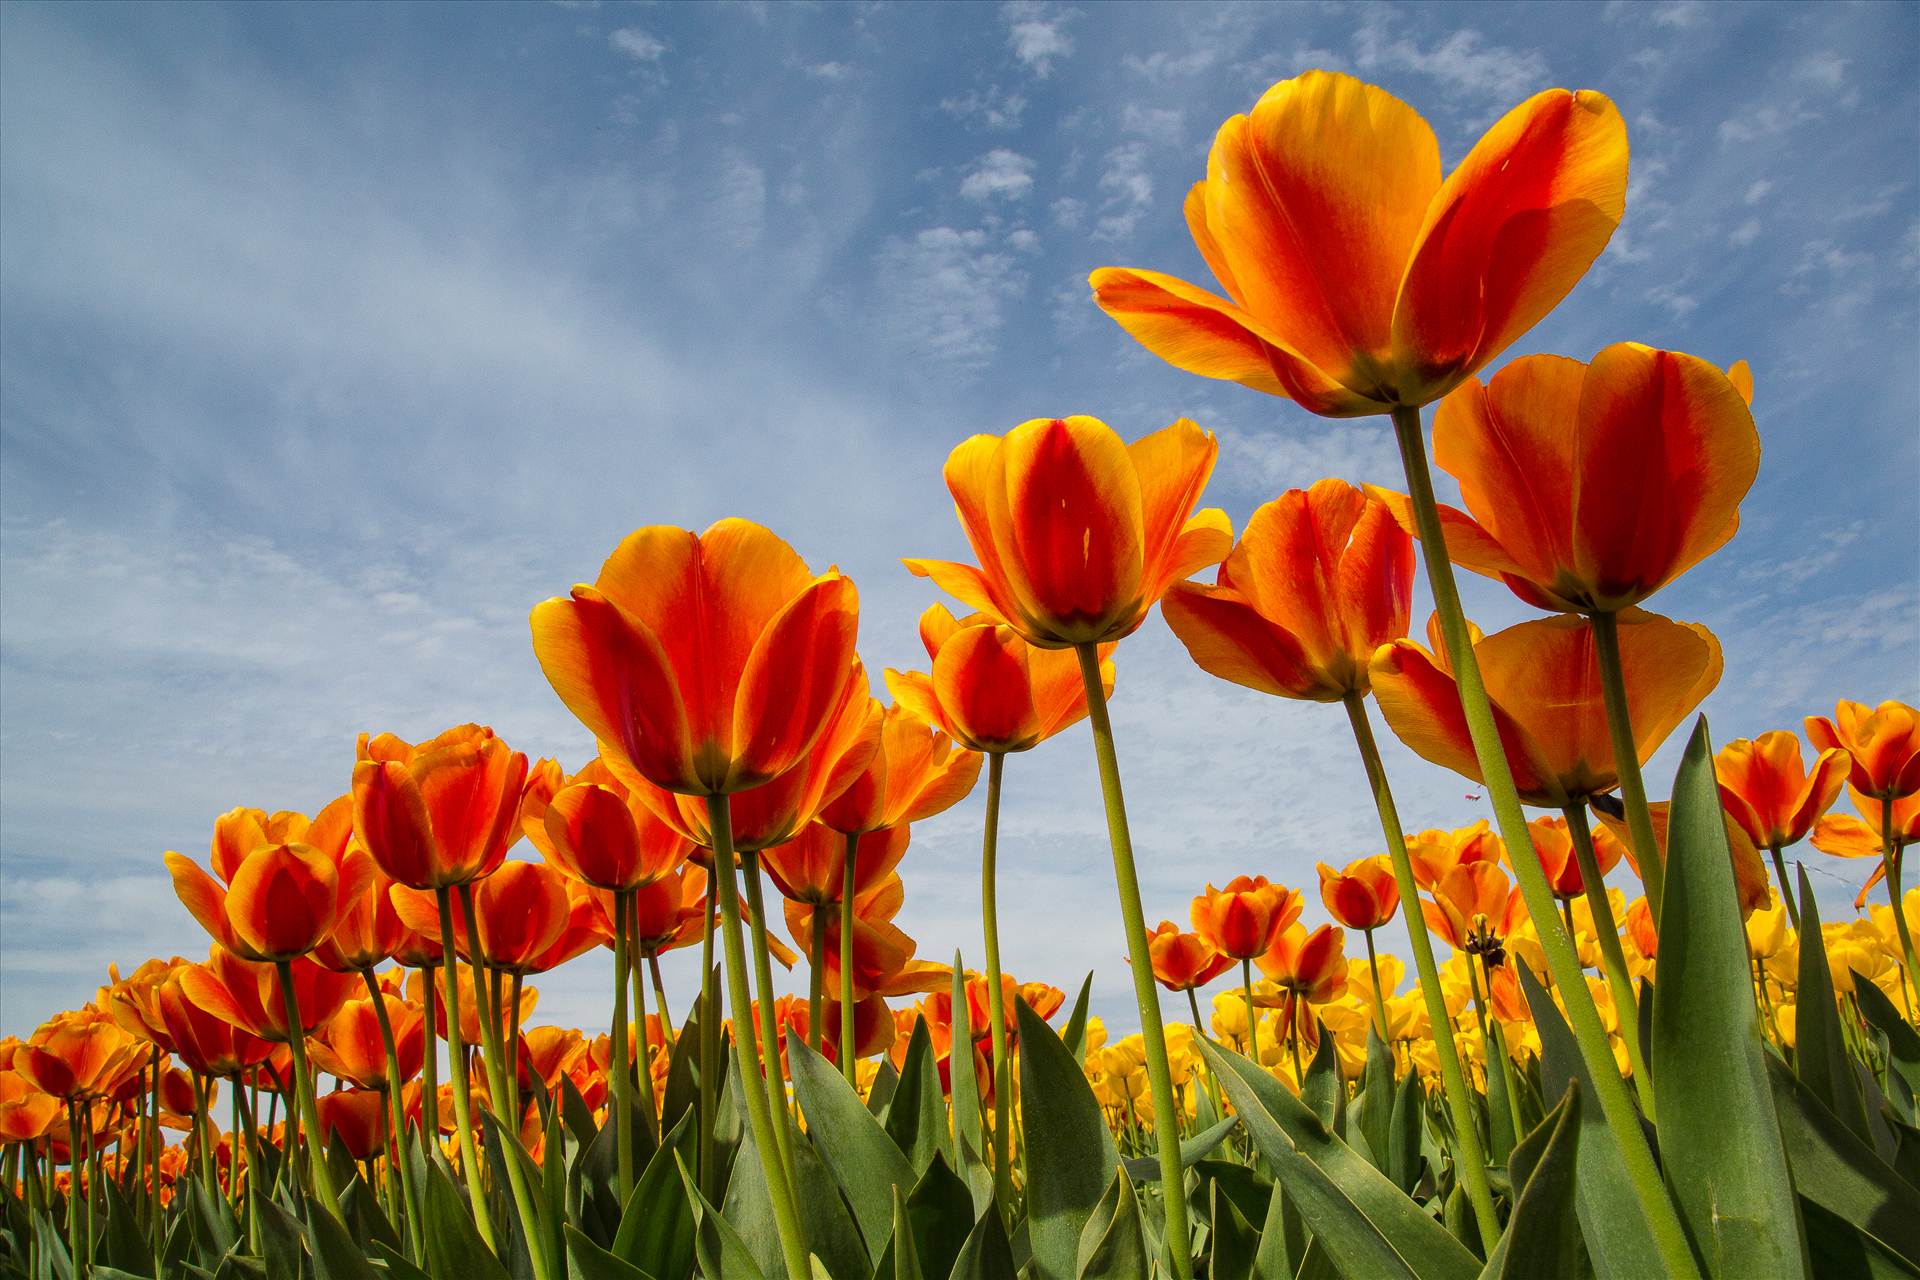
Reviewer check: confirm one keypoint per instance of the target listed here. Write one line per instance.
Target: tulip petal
(1173, 466)
(981, 681)
(1468, 545)
(1074, 504)
(203, 896)
(283, 901)
(1421, 704)
(794, 678)
(1513, 229)
(1227, 637)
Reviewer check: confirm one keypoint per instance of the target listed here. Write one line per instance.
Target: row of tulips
(1366, 1131)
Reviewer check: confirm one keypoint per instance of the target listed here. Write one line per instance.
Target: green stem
(415, 1213)
(622, 1079)
(1253, 1014)
(996, 997)
(457, 1073)
(511, 1064)
(1472, 1162)
(1786, 889)
(1159, 1075)
(155, 1145)
(643, 1065)
(429, 1064)
(1379, 1001)
(816, 977)
(1496, 1045)
(233, 1155)
(1616, 1104)
(847, 1028)
(1626, 1004)
(538, 1239)
(1200, 1032)
(1890, 852)
(1626, 761)
(769, 1021)
(76, 1142)
(710, 1049)
(792, 1246)
(322, 1173)
(660, 998)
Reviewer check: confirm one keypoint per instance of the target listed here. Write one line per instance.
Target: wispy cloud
(998, 175)
(1037, 33)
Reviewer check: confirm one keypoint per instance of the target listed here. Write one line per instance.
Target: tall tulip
(1767, 788)
(1364, 895)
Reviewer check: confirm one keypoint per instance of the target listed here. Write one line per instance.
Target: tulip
(1364, 896)
(1311, 968)
(1435, 852)
(441, 813)
(1241, 921)
(352, 1047)
(1767, 789)
(1184, 961)
(352, 1118)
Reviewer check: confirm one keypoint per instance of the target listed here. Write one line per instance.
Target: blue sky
(332, 338)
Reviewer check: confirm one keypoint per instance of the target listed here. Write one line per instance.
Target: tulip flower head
(282, 896)
(1883, 743)
(441, 813)
(1364, 896)
(1242, 920)
(1767, 789)
(599, 832)
(1184, 961)
(1436, 852)
(915, 773)
(1475, 908)
(1078, 534)
(1356, 279)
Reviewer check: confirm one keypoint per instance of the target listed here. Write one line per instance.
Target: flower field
(1462, 1056)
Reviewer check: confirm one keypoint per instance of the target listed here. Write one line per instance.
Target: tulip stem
(458, 1075)
(155, 1146)
(660, 997)
(769, 1020)
(415, 1213)
(1890, 851)
(1253, 1018)
(429, 1063)
(643, 1061)
(622, 1079)
(996, 998)
(1786, 890)
(76, 1141)
(1626, 1005)
(1373, 973)
(1160, 1076)
(1626, 761)
(317, 1164)
(1616, 1104)
(1471, 1167)
(1199, 1031)
(759, 1115)
(511, 1066)
(492, 1056)
(710, 1050)
(816, 979)
(848, 868)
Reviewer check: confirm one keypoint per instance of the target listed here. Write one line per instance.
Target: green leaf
(721, 1251)
(215, 1231)
(1405, 1131)
(453, 1242)
(656, 1227)
(880, 1092)
(1070, 1150)
(398, 1268)
(1113, 1244)
(682, 1093)
(1235, 1243)
(939, 1221)
(588, 1261)
(1283, 1240)
(1075, 1034)
(1619, 1242)
(823, 1220)
(1324, 1090)
(122, 1244)
(1194, 1149)
(1376, 1101)
(969, 1133)
(1842, 1250)
(1835, 1169)
(863, 1160)
(335, 1254)
(1903, 1042)
(1368, 1226)
(282, 1238)
(917, 1120)
(1542, 1236)
(1719, 1140)
(1820, 1047)
(986, 1255)
(906, 1263)
(1500, 1134)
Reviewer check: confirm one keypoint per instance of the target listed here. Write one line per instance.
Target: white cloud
(1745, 234)
(947, 291)
(1162, 65)
(1068, 212)
(1826, 69)
(993, 107)
(740, 200)
(832, 71)
(998, 175)
(1679, 305)
(1036, 31)
(639, 45)
(1129, 192)
(1462, 61)
(1161, 125)
(1758, 190)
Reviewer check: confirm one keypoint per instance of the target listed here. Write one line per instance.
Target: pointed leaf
(1070, 1150)
(917, 1120)
(1903, 1042)
(1324, 1090)
(1376, 1102)
(986, 1255)
(1542, 1236)
(1820, 1047)
(1074, 1034)
(857, 1152)
(453, 1242)
(588, 1261)
(718, 1245)
(906, 1263)
(1113, 1245)
(939, 1221)
(963, 1086)
(1834, 1169)
(1193, 1150)
(335, 1255)
(656, 1228)
(1235, 1243)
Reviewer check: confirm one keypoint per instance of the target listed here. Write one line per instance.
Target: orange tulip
(1841, 835)
(1356, 280)
(1435, 852)
(1364, 896)
(670, 912)
(1883, 743)
(248, 995)
(1543, 681)
(1640, 930)
(708, 663)
(522, 909)
(368, 931)
(1242, 920)
(1553, 844)
(883, 962)
(441, 813)
(1184, 961)
(989, 690)
(508, 1013)
(600, 833)
(285, 881)
(1320, 579)
(349, 1046)
(915, 773)
(77, 1058)
(1476, 909)
(207, 1043)
(134, 1002)
(1078, 534)
(26, 1111)
(1766, 788)
(1749, 873)
(1551, 509)
(356, 1119)
(1311, 966)
(811, 867)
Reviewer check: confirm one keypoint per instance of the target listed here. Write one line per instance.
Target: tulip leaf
(281, 1234)
(398, 1268)
(656, 1227)
(1070, 1150)
(1842, 1249)
(917, 1120)
(453, 1242)
(1542, 1236)
(215, 1231)
(1283, 1239)
(986, 1255)
(1194, 1149)
(1820, 1049)
(717, 1244)
(335, 1254)
(939, 1219)
(510, 1232)
(880, 1093)
(1619, 1241)
(1500, 1134)
(906, 1263)
(857, 1152)
(1368, 1226)
(122, 1243)
(963, 1085)
(1236, 1245)
(1719, 1139)
(1113, 1243)
(1375, 1102)
(1903, 1042)
(823, 1219)
(1405, 1131)
(1074, 1035)
(588, 1261)
(682, 1093)
(1324, 1090)
(1835, 1169)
